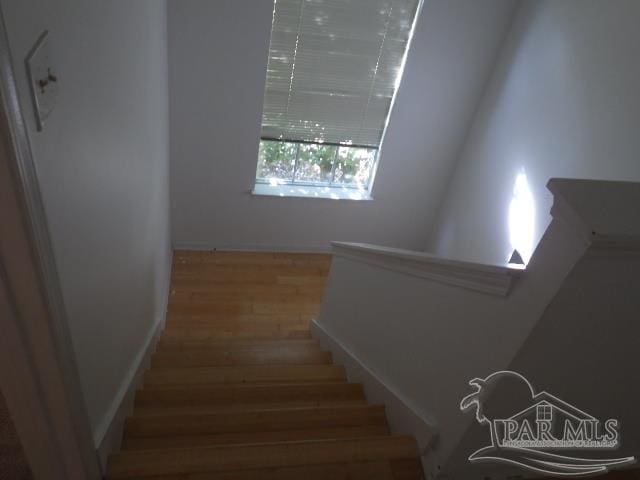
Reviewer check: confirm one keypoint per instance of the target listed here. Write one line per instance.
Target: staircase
(239, 390)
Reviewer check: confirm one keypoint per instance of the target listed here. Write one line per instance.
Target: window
(544, 413)
(333, 69)
(301, 163)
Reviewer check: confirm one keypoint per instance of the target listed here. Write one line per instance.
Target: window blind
(333, 68)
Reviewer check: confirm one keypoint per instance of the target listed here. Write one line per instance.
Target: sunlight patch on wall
(522, 211)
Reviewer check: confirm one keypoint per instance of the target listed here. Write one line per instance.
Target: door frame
(38, 372)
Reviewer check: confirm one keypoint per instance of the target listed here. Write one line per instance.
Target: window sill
(303, 191)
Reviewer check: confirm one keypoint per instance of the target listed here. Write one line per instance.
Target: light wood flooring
(239, 390)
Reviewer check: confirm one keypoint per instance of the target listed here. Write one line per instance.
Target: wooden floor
(239, 390)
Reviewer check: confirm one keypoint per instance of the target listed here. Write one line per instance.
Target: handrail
(492, 279)
(605, 213)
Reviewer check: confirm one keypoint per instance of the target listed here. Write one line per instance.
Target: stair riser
(174, 441)
(234, 291)
(287, 295)
(263, 374)
(252, 258)
(241, 307)
(236, 343)
(233, 408)
(135, 464)
(193, 340)
(256, 357)
(376, 470)
(283, 276)
(311, 269)
(203, 334)
(256, 421)
(308, 394)
(237, 322)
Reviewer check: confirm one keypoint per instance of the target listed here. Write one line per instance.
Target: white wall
(426, 339)
(563, 102)
(102, 163)
(217, 63)
(581, 350)
(569, 324)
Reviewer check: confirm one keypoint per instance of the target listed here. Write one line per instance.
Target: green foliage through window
(300, 163)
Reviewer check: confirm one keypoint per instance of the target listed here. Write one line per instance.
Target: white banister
(414, 328)
(605, 213)
(493, 279)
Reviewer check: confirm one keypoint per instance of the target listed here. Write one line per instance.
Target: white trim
(606, 224)
(402, 418)
(251, 247)
(310, 191)
(493, 279)
(387, 121)
(108, 434)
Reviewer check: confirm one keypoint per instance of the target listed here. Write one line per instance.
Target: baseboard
(108, 436)
(402, 419)
(253, 247)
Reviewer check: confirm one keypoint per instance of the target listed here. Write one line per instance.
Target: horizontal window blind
(333, 68)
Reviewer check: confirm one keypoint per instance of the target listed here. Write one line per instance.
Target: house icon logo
(541, 429)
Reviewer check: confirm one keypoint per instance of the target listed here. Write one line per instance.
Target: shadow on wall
(13, 464)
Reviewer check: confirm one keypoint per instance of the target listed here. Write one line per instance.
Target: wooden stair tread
(163, 377)
(247, 355)
(226, 343)
(141, 463)
(254, 426)
(190, 340)
(280, 276)
(253, 420)
(375, 470)
(196, 335)
(208, 302)
(239, 307)
(243, 438)
(240, 407)
(209, 323)
(200, 256)
(287, 294)
(239, 394)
